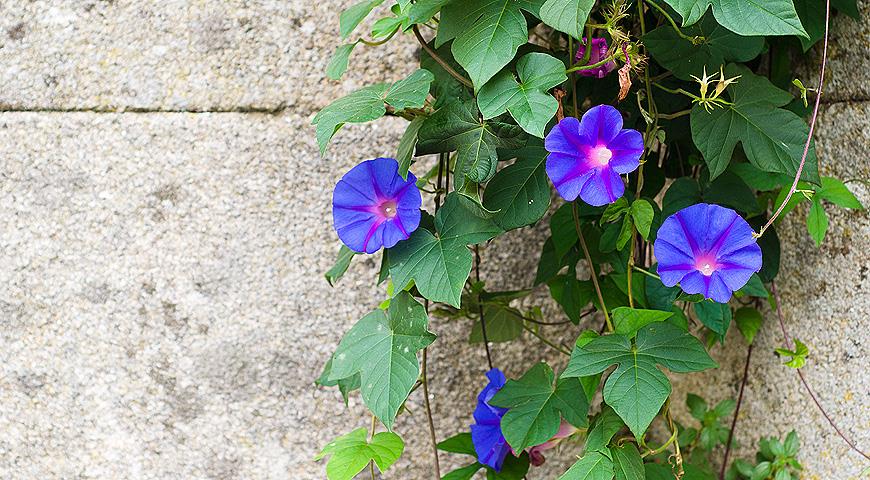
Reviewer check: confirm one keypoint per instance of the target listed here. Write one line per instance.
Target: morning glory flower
(536, 453)
(372, 207)
(707, 249)
(586, 157)
(599, 53)
(489, 443)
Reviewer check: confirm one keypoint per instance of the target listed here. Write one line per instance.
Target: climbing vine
(662, 141)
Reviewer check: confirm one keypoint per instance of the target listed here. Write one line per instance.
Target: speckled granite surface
(162, 313)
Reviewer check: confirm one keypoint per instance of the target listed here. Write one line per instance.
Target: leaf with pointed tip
(345, 255)
(536, 406)
(351, 18)
(637, 389)
(488, 35)
(568, 16)
(456, 127)
(627, 462)
(745, 17)
(460, 218)
(338, 65)
(382, 347)
(520, 192)
(438, 267)
(773, 138)
(715, 316)
(592, 466)
(627, 321)
(350, 453)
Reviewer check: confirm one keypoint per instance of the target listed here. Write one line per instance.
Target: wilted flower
(587, 156)
(489, 443)
(707, 249)
(372, 207)
(536, 453)
(598, 53)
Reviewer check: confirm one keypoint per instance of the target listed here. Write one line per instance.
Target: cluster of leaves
(490, 84)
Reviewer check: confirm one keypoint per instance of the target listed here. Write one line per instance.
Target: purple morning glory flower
(489, 443)
(599, 53)
(372, 207)
(587, 156)
(707, 249)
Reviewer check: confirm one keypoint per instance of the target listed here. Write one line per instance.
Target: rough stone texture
(162, 309)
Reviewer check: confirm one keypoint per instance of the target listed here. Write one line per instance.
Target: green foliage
(515, 468)
(351, 18)
(369, 103)
(527, 101)
(715, 316)
(457, 127)
(798, 356)
(352, 452)
(520, 192)
(627, 462)
(567, 16)
(382, 348)
(536, 406)
(714, 430)
(773, 138)
(637, 389)
(338, 65)
(775, 460)
(342, 261)
(748, 321)
(750, 18)
(595, 465)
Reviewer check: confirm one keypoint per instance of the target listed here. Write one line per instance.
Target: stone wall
(164, 221)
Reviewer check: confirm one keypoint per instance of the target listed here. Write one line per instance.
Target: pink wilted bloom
(536, 453)
(586, 157)
(599, 53)
(372, 207)
(707, 249)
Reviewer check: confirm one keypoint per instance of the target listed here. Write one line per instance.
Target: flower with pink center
(372, 207)
(707, 249)
(587, 156)
(536, 453)
(598, 53)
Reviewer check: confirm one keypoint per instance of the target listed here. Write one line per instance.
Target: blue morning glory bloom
(587, 156)
(489, 443)
(707, 249)
(372, 207)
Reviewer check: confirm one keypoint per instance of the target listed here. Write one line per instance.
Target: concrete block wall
(164, 223)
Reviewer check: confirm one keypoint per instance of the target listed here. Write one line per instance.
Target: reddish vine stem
(809, 390)
(800, 169)
(446, 66)
(736, 413)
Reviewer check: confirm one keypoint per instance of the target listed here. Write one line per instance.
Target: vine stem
(432, 437)
(480, 308)
(591, 266)
(371, 436)
(545, 341)
(446, 66)
(694, 40)
(809, 390)
(736, 413)
(800, 169)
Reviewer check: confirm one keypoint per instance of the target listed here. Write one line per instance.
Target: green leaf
(520, 192)
(715, 316)
(345, 385)
(717, 46)
(568, 16)
(382, 347)
(745, 17)
(345, 255)
(748, 322)
(367, 104)
(338, 65)
(571, 294)
(527, 101)
(817, 221)
(798, 355)
(465, 473)
(642, 213)
(627, 321)
(835, 191)
(592, 466)
(351, 18)
(536, 406)
(407, 144)
(758, 179)
(603, 428)
(697, 406)
(684, 192)
(658, 296)
(503, 324)
(438, 267)
(514, 468)
(627, 463)
(487, 35)
(773, 138)
(754, 287)
(456, 127)
(637, 389)
(351, 453)
(460, 443)
(461, 219)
